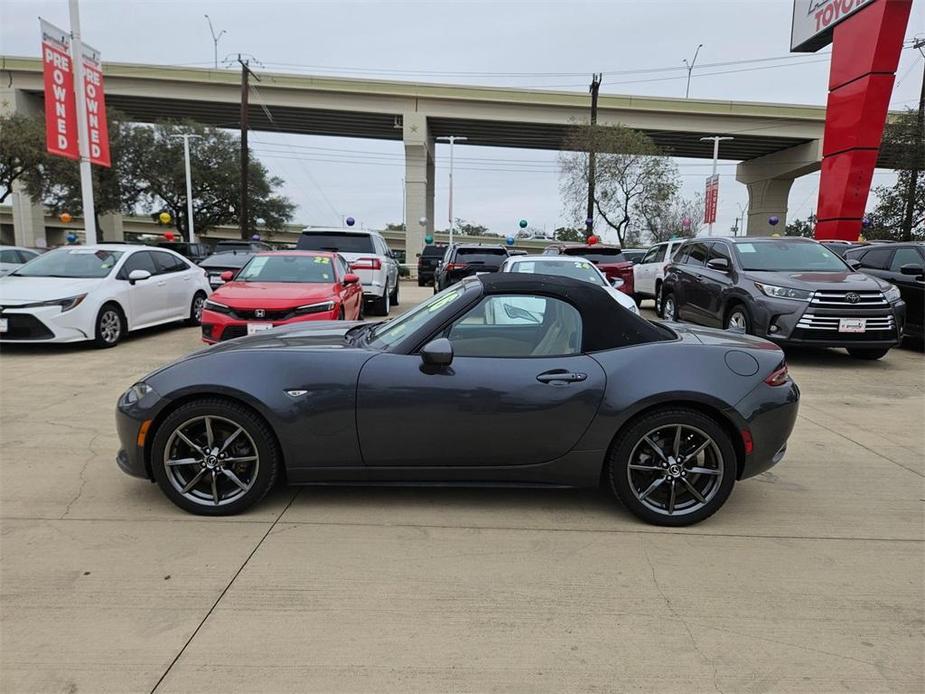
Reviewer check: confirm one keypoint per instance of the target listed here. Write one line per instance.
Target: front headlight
(217, 307)
(136, 393)
(891, 294)
(65, 304)
(323, 307)
(784, 292)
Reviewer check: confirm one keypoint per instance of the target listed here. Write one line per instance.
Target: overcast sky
(442, 42)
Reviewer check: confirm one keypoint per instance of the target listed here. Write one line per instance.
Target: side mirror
(911, 269)
(138, 276)
(617, 282)
(350, 278)
(437, 352)
(227, 276)
(718, 264)
(854, 264)
(417, 255)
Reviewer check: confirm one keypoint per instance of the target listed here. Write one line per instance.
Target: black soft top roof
(605, 324)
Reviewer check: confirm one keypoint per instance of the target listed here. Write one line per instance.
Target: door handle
(162, 283)
(561, 376)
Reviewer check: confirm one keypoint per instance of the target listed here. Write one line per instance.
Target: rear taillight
(780, 376)
(455, 266)
(366, 264)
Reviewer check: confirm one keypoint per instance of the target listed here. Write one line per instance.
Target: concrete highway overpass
(775, 143)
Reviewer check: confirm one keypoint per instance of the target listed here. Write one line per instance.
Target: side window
(141, 260)
(698, 254)
(168, 263)
(877, 258)
(342, 267)
(719, 250)
(10, 256)
(660, 254)
(680, 254)
(517, 326)
(905, 256)
(650, 256)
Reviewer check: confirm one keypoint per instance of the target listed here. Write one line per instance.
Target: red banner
(711, 199)
(60, 102)
(96, 107)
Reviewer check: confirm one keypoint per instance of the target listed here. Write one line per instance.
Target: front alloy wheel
(669, 309)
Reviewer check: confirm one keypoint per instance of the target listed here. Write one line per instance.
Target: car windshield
(596, 254)
(288, 268)
(226, 260)
(71, 262)
(578, 268)
(788, 256)
(390, 332)
(342, 242)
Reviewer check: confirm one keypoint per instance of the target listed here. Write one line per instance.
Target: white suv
(649, 272)
(369, 257)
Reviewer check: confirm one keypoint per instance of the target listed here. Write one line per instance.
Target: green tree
(22, 149)
(469, 229)
(675, 217)
(395, 226)
(801, 227)
(893, 218)
(634, 179)
(569, 234)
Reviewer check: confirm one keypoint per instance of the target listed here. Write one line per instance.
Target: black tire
(394, 296)
(737, 316)
(268, 456)
(361, 312)
(668, 302)
(658, 300)
(110, 326)
(195, 309)
(869, 354)
(630, 440)
(380, 306)
(421, 282)
(638, 299)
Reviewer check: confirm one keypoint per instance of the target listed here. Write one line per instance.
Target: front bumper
(48, 324)
(131, 456)
(218, 327)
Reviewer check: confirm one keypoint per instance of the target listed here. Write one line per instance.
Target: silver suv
(369, 257)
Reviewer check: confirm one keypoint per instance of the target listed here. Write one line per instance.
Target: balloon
(65, 217)
(164, 217)
(509, 240)
(72, 237)
(592, 239)
(423, 221)
(523, 223)
(350, 221)
(773, 220)
(686, 223)
(169, 235)
(255, 237)
(428, 239)
(866, 222)
(589, 221)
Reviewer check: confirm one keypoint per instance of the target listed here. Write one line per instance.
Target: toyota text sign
(813, 21)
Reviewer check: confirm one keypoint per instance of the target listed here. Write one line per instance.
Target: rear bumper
(769, 413)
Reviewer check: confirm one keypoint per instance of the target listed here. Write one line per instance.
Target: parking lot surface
(809, 579)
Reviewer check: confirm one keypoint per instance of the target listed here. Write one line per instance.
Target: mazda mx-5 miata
(502, 379)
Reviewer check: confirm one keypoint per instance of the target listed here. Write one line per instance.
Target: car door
(689, 277)
(912, 287)
(713, 286)
(175, 278)
(876, 261)
(147, 299)
(518, 392)
(644, 271)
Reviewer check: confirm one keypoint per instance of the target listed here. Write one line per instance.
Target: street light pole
(690, 69)
(83, 129)
(189, 186)
(716, 139)
(215, 39)
(452, 139)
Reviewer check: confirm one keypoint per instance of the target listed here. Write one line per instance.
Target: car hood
(838, 281)
(23, 290)
(272, 294)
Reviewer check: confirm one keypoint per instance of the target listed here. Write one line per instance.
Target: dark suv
(903, 264)
(197, 252)
(789, 290)
(428, 259)
(461, 260)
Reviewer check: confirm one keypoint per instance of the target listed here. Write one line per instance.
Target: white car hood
(624, 299)
(24, 290)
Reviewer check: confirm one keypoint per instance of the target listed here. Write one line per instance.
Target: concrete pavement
(810, 579)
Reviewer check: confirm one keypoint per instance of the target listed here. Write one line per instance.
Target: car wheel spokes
(211, 460)
(675, 469)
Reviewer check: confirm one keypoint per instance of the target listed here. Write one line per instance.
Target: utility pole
(243, 213)
(452, 139)
(189, 186)
(690, 69)
(592, 168)
(716, 139)
(83, 129)
(215, 39)
(919, 150)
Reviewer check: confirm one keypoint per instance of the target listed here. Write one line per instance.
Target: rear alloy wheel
(110, 325)
(738, 320)
(669, 308)
(870, 354)
(673, 467)
(195, 311)
(214, 457)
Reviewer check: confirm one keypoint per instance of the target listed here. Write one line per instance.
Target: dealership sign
(60, 102)
(96, 107)
(813, 21)
(711, 199)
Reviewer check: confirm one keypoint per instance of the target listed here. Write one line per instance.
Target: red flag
(60, 102)
(96, 107)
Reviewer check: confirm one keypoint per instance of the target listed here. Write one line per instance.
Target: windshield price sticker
(745, 248)
(322, 259)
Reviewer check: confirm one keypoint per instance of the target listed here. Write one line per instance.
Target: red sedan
(281, 287)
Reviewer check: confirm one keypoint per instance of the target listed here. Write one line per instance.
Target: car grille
(869, 298)
(810, 321)
(23, 326)
(242, 314)
(232, 331)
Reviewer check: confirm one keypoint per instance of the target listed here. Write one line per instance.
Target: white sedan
(568, 266)
(99, 293)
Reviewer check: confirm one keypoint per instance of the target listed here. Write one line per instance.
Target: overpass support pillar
(769, 179)
(28, 215)
(419, 184)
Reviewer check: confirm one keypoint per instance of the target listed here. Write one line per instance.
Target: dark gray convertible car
(502, 379)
